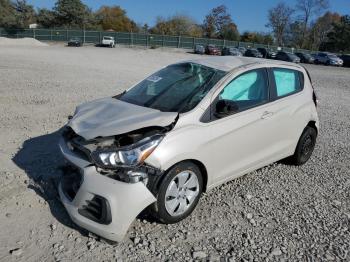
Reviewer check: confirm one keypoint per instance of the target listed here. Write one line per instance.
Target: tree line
(307, 25)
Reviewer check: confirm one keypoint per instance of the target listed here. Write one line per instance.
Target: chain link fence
(128, 38)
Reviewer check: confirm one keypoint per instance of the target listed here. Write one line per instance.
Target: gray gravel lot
(278, 213)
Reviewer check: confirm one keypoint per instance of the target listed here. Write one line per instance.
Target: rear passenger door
(287, 111)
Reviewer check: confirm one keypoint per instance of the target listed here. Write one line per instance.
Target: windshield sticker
(154, 79)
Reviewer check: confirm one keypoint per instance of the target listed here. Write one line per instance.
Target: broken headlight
(128, 156)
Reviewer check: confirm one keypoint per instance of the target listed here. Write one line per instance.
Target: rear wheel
(179, 193)
(305, 146)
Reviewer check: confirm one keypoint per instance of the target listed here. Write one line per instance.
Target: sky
(249, 15)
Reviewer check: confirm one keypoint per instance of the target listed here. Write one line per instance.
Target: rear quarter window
(287, 81)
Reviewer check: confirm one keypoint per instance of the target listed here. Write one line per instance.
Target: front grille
(71, 182)
(97, 209)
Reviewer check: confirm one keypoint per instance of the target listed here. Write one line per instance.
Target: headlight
(128, 156)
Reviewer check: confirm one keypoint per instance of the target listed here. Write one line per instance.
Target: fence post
(66, 34)
(34, 35)
(224, 43)
(84, 36)
(51, 34)
(178, 41)
(99, 37)
(147, 40)
(131, 39)
(193, 42)
(0, 31)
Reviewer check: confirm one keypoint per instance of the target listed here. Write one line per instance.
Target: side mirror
(225, 108)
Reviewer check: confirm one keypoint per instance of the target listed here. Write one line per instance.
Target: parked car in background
(75, 41)
(164, 141)
(212, 50)
(305, 58)
(346, 60)
(108, 41)
(267, 53)
(288, 57)
(313, 55)
(253, 53)
(242, 49)
(325, 58)
(199, 49)
(231, 51)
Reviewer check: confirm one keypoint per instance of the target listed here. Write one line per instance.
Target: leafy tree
(339, 37)
(294, 35)
(46, 18)
(229, 32)
(321, 28)
(256, 37)
(24, 14)
(71, 13)
(177, 25)
(115, 18)
(218, 23)
(279, 20)
(308, 9)
(7, 14)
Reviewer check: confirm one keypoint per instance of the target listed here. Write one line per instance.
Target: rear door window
(287, 81)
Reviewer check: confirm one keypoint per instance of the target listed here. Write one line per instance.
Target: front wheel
(305, 147)
(179, 193)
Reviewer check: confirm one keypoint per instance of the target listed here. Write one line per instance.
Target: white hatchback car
(185, 129)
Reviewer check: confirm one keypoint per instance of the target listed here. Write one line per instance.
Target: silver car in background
(328, 59)
(180, 132)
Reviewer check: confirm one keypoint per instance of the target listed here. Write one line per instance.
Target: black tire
(305, 147)
(158, 209)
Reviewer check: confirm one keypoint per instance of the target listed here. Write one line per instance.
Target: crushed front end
(108, 183)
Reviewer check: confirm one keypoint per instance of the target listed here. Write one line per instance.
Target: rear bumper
(124, 201)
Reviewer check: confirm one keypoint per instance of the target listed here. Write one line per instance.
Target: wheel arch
(196, 162)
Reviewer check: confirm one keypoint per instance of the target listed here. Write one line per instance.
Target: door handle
(266, 114)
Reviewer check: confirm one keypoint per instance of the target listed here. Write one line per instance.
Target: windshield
(176, 88)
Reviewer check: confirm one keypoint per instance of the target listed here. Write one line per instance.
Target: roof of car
(228, 63)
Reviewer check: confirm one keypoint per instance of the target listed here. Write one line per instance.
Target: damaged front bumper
(100, 204)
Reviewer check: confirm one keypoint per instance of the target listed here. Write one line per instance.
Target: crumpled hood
(110, 116)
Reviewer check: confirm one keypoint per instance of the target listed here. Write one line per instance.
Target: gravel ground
(278, 213)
